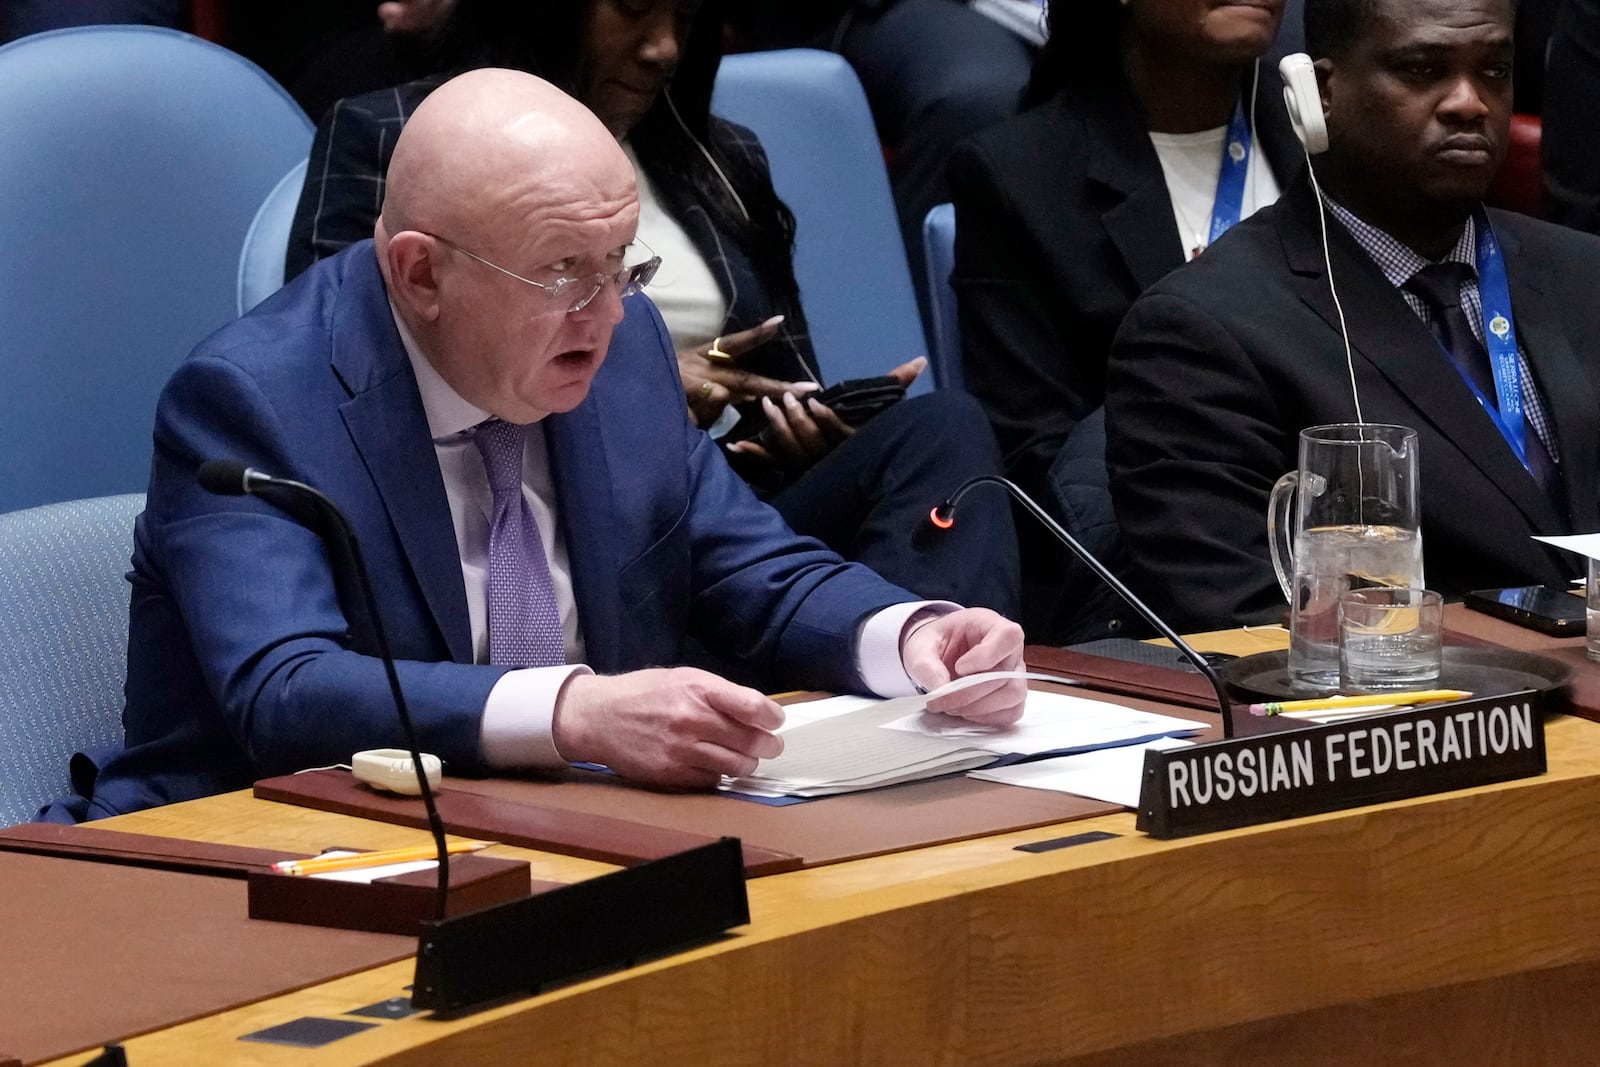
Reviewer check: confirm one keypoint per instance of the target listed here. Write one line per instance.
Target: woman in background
(708, 209)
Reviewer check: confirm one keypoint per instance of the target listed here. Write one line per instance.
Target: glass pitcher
(1347, 519)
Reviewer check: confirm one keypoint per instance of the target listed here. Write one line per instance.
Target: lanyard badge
(1500, 338)
(1228, 204)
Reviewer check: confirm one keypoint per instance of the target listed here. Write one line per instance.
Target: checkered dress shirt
(1399, 262)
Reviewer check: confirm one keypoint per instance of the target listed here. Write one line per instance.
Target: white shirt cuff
(878, 645)
(518, 717)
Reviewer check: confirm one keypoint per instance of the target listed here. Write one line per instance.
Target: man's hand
(668, 726)
(711, 383)
(970, 641)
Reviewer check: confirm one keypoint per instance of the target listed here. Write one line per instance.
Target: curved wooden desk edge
(972, 952)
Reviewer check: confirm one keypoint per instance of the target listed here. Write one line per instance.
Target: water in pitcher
(1334, 560)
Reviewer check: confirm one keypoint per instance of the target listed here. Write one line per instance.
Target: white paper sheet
(1109, 774)
(841, 745)
(1587, 545)
(1051, 723)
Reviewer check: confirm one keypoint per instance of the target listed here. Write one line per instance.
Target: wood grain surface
(1414, 918)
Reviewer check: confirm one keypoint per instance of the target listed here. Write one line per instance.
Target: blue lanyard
(1229, 201)
(1500, 338)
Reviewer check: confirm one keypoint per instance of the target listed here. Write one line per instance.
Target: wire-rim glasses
(575, 294)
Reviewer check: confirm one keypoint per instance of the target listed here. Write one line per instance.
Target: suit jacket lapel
(389, 429)
(1568, 396)
(582, 479)
(1123, 162)
(1387, 334)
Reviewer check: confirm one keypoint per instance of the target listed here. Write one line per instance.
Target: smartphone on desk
(1547, 608)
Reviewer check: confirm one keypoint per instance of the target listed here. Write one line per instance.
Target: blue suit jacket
(242, 657)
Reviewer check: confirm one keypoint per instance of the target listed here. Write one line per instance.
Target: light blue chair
(132, 161)
(939, 251)
(63, 642)
(827, 165)
(266, 244)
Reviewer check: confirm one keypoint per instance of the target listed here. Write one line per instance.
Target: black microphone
(944, 517)
(312, 508)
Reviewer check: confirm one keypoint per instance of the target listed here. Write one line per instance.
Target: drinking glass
(1390, 639)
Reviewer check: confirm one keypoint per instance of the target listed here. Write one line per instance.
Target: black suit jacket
(1062, 219)
(1220, 365)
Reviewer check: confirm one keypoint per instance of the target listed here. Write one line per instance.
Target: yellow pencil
(380, 858)
(1421, 696)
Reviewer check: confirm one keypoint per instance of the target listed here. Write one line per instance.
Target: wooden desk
(1462, 928)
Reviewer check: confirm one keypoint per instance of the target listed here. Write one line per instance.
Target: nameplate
(1248, 780)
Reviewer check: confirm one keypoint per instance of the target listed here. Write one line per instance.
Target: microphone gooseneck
(231, 478)
(944, 516)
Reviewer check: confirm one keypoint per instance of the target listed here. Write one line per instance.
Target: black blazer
(1062, 220)
(1220, 365)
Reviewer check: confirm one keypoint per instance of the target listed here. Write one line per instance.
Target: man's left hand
(970, 641)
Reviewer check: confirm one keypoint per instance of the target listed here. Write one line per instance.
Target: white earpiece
(1304, 102)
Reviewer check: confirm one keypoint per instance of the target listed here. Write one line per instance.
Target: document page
(1053, 722)
(1110, 774)
(845, 744)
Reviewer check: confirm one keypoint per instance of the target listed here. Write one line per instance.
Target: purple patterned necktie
(524, 625)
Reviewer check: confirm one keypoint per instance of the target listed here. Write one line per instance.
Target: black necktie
(1439, 285)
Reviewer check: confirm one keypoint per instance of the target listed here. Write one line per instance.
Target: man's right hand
(675, 726)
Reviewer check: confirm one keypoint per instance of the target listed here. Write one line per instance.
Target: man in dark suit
(507, 435)
(1219, 367)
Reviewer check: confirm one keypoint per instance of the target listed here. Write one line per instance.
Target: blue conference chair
(266, 244)
(827, 165)
(132, 160)
(939, 250)
(63, 641)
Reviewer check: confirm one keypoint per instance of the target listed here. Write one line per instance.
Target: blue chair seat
(811, 115)
(63, 641)
(132, 160)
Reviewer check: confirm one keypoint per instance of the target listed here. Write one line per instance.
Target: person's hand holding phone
(712, 378)
(800, 431)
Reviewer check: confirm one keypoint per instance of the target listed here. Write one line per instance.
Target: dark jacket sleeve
(344, 181)
(1571, 148)
(1035, 374)
(1194, 445)
(757, 291)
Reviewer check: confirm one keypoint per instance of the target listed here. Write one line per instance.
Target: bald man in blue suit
(368, 378)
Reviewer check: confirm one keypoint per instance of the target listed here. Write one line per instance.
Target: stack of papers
(847, 744)
(1114, 775)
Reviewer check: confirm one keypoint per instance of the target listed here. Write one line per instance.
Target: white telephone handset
(1304, 101)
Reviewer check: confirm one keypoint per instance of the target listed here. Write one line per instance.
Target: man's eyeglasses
(575, 294)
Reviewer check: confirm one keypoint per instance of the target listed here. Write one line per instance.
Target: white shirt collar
(448, 414)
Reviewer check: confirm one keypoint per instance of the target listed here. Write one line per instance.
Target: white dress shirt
(1191, 163)
(684, 290)
(516, 730)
